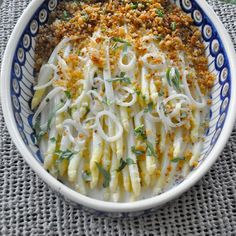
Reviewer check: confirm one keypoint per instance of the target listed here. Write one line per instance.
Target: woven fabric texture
(29, 207)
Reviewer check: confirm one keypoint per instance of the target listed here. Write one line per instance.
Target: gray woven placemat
(29, 207)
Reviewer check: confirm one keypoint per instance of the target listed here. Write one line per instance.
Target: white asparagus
(162, 179)
(151, 160)
(97, 151)
(145, 85)
(124, 118)
(133, 169)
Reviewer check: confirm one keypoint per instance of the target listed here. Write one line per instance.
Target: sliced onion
(152, 65)
(166, 119)
(76, 124)
(43, 79)
(107, 74)
(67, 128)
(137, 118)
(146, 40)
(113, 118)
(95, 94)
(199, 105)
(67, 51)
(65, 107)
(88, 120)
(129, 91)
(132, 61)
(53, 57)
(80, 98)
(42, 105)
(98, 79)
(64, 67)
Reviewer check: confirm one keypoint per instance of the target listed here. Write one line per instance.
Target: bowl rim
(89, 202)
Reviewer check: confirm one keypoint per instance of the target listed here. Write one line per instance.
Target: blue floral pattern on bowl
(23, 79)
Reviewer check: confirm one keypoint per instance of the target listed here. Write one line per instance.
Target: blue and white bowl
(17, 81)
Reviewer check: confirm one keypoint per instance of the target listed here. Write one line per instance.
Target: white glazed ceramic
(17, 82)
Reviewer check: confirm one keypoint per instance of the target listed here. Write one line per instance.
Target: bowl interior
(22, 77)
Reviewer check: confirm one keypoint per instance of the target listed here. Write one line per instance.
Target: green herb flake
(130, 161)
(65, 15)
(85, 16)
(149, 108)
(121, 78)
(161, 94)
(173, 26)
(140, 132)
(38, 132)
(184, 115)
(137, 152)
(150, 150)
(53, 140)
(176, 84)
(159, 37)
(122, 165)
(52, 115)
(65, 155)
(68, 94)
(175, 160)
(168, 76)
(86, 176)
(122, 74)
(134, 5)
(118, 40)
(173, 79)
(159, 13)
(107, 102)
(106, 175)
(177, 73)
(138, 92)
(47, 100)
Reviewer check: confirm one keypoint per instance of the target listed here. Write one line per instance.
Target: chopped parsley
(106, 175)
(65, 155)
(124, 163)
(173, 26)
(175, 160)
(53, 140)
(134, 5)
(121, 78)
(130, 161)
(107, 102)
(138, 92)
(125, 45)
(68, 94)
(119, 40)
(149, 108)
(39, 133)
(173, 79)
(158, 37)
(161, 93)
(86, 176)
(159, 12)
(137, 152)
(65, 15)
(150, 150)
(85, 16)
(140, 132)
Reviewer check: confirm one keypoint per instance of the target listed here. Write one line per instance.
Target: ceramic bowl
(17, 81)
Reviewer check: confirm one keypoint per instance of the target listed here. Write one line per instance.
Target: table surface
(29, 207)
